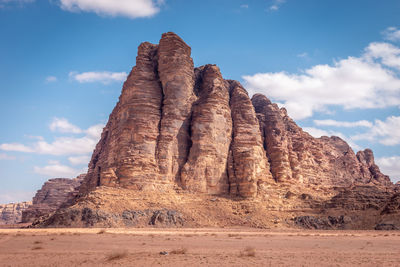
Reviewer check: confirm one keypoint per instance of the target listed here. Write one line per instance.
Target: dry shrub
(102, 231)
(37, 248)
(233, 235)
(179, 251)
(248, 252)
(37, 242)
(117, 255)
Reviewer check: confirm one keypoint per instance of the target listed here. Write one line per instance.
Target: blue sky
(334, 64)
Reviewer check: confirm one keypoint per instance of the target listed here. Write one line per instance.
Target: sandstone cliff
(180, 126)
(182, 142)
(54, 193)
(12, 213)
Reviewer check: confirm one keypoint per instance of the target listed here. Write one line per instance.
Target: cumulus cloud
(385, 132)
(16, 147)
(79, 160)
(61, 145)
(104, 77)
(390, 166)
(362, 82)
(392, 34)
(126, 8)
(385, 53)
(347, 124)
(55, 169)
(6, 157)
(64, 126)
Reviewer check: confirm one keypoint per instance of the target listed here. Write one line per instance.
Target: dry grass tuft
(102, 231)
(37, 242)
(117, 255)
(179, 251)
(248, 252)
(37, 248)
(233, 235)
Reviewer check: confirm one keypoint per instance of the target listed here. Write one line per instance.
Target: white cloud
(387, 54)
(66, 146)
(6, 157)
(62, 145)
(244, 6)
(64, 126)
(303, 55)
(104, 77)
(277, 4)
(126, 8)
(7, 197)
(385, 132)
(390, 166)
(347, 124)
(392, 34)
(55, 169)
(95, 131)
(79, 160)
(315, 132)
(363, 82)
(16, 147)
(51, 79)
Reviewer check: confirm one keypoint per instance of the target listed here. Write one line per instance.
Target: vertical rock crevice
(176, 72)
(205, 169)
(249, 161)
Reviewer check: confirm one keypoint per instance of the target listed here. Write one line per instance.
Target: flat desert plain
(195, 247)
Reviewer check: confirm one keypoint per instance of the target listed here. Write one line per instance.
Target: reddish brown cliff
(54, 193)
(179, 126)
(182, 142)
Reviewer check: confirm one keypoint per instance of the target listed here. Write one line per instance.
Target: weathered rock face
(248, 165)
(12, 213)
(176, 126)
(54, 193)
(296, 156)
(211, 128)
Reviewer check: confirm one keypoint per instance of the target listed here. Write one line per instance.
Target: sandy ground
(194, 247)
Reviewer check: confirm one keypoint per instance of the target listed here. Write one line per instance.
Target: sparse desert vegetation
(248, 252)
(179, 251)
(117, 255)
(217, 247)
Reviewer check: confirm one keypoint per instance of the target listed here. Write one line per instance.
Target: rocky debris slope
(54, 193)
(12, 213)
(177, 128)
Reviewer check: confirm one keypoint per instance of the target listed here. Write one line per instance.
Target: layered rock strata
(53, 194)
(12, 213)
(176, 126)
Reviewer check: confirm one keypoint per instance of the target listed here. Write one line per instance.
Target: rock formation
(176, 125)
(183, 130)
(54, 193)
(12, 213)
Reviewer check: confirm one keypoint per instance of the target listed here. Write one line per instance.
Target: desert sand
(194, 247)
